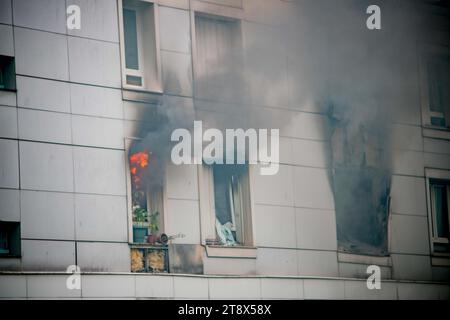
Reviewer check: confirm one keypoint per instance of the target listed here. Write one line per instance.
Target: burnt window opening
(10, 239)
(7, 73)
(231, 205)
(440, 200)
(361, 184)
(438, 67)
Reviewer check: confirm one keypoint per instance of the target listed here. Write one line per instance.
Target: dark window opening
(131, 39)
(361, 178)
(7, 73)
(440, 197)
(10, 239)
(439, 90)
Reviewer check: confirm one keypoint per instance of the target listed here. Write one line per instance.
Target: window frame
(436, 174)
(213, 11)
(134, 92)
(430, 130)
(208, 216)
(140, 71)
(162, 216)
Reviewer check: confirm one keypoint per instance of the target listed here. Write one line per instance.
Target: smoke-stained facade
(86, 176)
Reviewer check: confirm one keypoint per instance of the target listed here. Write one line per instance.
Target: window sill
(231, 252)
(362, 259)
(436, 132)
(141, 95)
(441, 260)
(8, 90)
(10, 256)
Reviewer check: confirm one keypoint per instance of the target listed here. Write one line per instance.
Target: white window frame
(431, 174)
(430, 130)
(208, 217)
(144, 87)
(140, 71)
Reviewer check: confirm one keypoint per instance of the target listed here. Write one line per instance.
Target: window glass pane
(435, 86)
(439, 87)
(441, 211)
(222, 197)
(134, 81)
(131, 40)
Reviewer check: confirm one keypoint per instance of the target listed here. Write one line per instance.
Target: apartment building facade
(86, 178)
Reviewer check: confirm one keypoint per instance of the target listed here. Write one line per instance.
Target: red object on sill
(152, 239)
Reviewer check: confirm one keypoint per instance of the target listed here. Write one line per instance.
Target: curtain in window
(218, 58)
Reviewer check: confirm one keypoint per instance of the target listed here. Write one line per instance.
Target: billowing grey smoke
(361, 80)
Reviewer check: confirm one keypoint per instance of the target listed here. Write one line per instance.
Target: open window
(231, 209)
(439, 212)
(147, 202)
(436, 87)
(139, 46)
(7, 73)
(9, 239)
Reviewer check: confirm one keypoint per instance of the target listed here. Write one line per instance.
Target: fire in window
(440, 198)
(146, 196)
(149, 251)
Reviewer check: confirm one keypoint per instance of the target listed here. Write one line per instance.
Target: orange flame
(138, 161)
(139, 158)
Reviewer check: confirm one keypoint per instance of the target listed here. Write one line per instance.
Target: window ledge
(436, 132)
(141, 95)
(10, 256)
(362, 259)
(8, 90)
(443, 261)
(231, 252)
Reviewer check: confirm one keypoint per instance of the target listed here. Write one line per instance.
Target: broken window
(219, 57)
(9, 239)
(231, 205)
(438, 67)
(140, 55)
(439, 200)
(361, 183)
(7, 73)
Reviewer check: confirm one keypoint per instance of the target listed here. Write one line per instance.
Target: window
(146, 196)
(219, 57)
(9, 239)
(439, 90)
(436, 88)
(7, 73)
(439, 200)
(140, 51)
(231, 205)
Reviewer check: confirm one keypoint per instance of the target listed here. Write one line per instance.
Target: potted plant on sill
(153, 228)
(140, 224)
